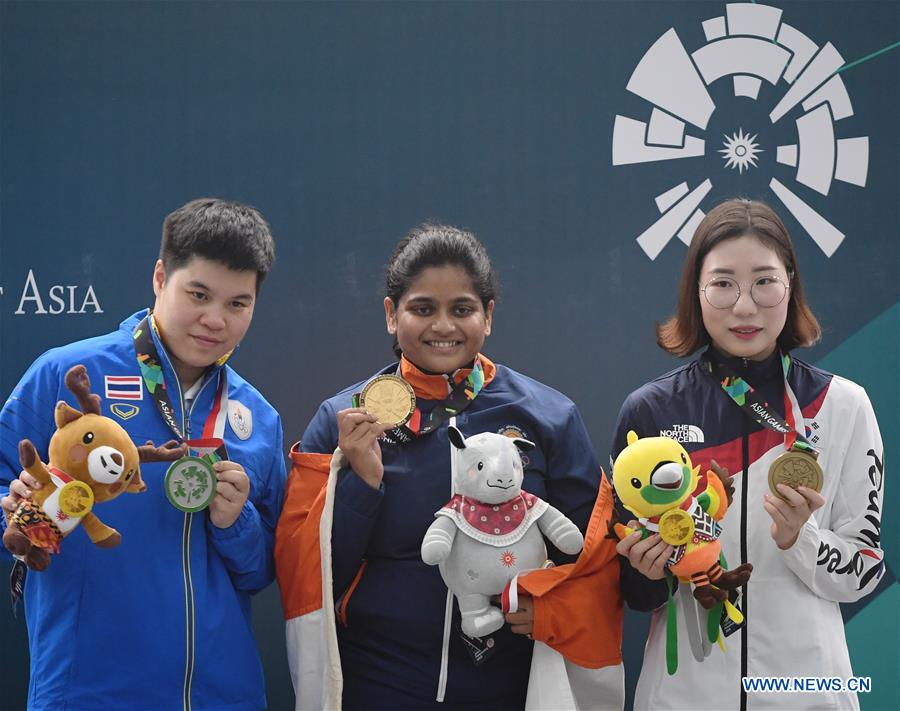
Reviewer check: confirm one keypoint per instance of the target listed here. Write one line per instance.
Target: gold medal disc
(76, 499)
(390, 398)
(795, 468)
(676, 527)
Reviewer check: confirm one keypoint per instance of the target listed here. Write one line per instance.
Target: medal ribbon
(461, 396)
(744, 395)
(151, 371)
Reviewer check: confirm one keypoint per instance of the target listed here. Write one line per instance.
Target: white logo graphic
(684, 433)
(740, 151)
(240, 419)
(750, 44)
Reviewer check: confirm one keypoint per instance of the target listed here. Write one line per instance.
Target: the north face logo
(683, 433)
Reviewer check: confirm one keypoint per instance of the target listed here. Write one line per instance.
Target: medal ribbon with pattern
(190, 481)
(461, 396)
(743, 394)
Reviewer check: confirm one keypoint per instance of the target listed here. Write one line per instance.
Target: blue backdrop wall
(559, 132)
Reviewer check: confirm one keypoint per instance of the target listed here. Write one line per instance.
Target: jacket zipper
(186, 560)
(745, 462)
(186, 547)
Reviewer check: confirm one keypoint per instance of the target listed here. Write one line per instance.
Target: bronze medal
(390, 398)
(795, 468)
(676, 527)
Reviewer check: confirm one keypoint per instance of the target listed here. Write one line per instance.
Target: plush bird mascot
(655, 480)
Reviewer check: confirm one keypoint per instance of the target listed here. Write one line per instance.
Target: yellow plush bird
(655, 480)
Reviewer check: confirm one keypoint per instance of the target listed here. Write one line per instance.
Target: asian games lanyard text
(211, 446)
(759, 411)
(460, 397)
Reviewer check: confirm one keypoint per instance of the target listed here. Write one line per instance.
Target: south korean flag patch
(240, 418)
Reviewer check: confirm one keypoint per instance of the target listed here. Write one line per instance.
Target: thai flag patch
(124, 387)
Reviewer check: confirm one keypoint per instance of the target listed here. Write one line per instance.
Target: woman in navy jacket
(398, 635)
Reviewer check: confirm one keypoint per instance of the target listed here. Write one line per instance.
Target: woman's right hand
(648, 556)
(358, 434)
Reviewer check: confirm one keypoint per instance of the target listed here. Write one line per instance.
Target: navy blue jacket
(391, 645)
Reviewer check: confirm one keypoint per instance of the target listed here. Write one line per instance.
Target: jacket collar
(169, 374)
(432, 386)
(753, 371)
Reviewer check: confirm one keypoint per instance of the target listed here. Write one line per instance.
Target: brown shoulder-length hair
(684, 333)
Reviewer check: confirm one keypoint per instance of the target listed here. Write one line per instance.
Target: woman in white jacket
(745, 402)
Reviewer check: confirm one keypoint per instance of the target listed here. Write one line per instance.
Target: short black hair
(230, 233)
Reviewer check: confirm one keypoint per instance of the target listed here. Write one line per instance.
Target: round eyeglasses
(723, 292)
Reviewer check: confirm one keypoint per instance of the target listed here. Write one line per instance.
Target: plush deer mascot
(92, 459)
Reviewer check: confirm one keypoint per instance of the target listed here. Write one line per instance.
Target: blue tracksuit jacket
(163, 621)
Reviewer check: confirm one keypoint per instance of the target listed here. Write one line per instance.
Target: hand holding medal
(789, 510)
(385, 403)
(232, 489)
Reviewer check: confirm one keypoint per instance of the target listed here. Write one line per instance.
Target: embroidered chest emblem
(123, 387)
(124, 410)
(813, 431)
(240, 418)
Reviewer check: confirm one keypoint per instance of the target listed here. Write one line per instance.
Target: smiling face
(440, 322)
(202, 311)
(745, 330)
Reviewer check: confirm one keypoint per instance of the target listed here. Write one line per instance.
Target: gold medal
(390, 398)
(676, 527)
(795, 468)
(76, 499)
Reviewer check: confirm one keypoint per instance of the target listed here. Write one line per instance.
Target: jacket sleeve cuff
(357, 495)
(641, 593)
(247, 521)
(805, 548)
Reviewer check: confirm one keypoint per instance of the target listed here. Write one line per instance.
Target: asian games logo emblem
(750, 44)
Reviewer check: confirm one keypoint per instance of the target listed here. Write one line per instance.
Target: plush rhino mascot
(485, 535)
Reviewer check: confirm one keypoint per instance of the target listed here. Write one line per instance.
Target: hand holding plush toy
(92, 459)
(655, 480)
(483, 537)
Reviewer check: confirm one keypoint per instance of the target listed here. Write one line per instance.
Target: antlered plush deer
(92, 459)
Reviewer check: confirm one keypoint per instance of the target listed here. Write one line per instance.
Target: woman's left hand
(522, 621)
(789, 516)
